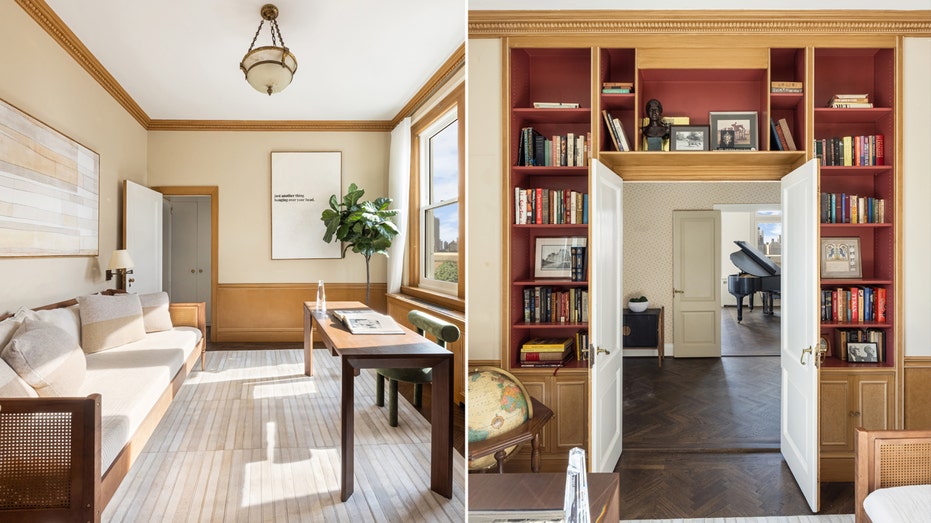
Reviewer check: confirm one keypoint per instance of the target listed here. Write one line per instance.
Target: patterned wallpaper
(648, 211)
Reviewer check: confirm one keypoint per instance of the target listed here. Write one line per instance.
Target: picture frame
(689, 138)
(301, 185)
(740, 128)
(553, 256)
(840, 258)
(863, 352)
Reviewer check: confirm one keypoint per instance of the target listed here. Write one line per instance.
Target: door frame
(213, 192)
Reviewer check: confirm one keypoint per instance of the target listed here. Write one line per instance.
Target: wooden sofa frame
(70, 487)
(889, 458)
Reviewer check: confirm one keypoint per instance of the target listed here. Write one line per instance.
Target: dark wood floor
(406, 390)
(701, 436)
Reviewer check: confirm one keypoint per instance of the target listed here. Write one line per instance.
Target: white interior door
(799, 434)
(142, 237)
(605, 267)
(183, 250)
(696, 267)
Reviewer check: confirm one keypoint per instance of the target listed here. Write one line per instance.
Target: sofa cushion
(155, 314)
(9, 326)
(47, 358)
(12, 386)
(67, 318)
(130, 379)
(110, 321)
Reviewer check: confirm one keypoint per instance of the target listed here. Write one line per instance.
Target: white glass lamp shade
(269, 69)
(120, 260)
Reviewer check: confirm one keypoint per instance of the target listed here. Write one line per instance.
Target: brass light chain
(254, 38)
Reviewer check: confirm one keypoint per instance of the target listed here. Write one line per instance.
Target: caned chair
(444, 332)
(502, 417)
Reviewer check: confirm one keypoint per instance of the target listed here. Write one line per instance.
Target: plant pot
(638, 306)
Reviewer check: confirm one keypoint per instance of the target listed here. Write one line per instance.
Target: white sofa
(62, 458)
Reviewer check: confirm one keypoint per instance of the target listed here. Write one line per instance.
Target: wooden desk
(408, 350)
(543, 491)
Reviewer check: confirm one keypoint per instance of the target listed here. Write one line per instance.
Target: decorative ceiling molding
(442, 75)
(494, 24)
(272, 125)
(56, 28)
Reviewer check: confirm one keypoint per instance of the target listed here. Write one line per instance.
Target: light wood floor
(253, 439)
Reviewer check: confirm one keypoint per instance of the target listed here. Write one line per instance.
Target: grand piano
(757, 274)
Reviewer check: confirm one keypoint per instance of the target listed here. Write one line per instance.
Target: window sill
(433, 298)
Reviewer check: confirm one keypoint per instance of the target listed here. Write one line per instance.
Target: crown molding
(272, 125)
(56, 28)
(453, 64)
(495, 24)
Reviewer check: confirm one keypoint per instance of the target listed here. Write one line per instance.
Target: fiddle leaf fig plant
(364, 226)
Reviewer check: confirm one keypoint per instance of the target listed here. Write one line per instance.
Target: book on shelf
(851, 151)
(581, 345)
(629, 85)
(530, 355)
(550, 206)
(850, 101)
(787, 134)
(569, 150)
(851, 208)
(856, 304)
(612, 131)
(778, 142)
(785, 87)
(547, 304)
(367, 322)
(555, 105)
(546, 345)
(848, 336)
(616, 90)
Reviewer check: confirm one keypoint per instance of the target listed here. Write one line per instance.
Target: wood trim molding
(916, 394)
(380, 126)
(495, 24)
(56, 28)
(451, 66)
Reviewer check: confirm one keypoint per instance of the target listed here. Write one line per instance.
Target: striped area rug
(253, 439)
(844, 518)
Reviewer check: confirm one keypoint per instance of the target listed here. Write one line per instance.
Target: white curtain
(399, 183)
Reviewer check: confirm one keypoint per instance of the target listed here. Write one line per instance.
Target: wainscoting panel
(917, 393)
(273, 312)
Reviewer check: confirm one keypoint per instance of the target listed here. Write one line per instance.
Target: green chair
(444, 332)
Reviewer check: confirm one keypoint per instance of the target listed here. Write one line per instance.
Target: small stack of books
(785, 87)
(555, 105)
(850, 101)
(546, 352)
(617, 87)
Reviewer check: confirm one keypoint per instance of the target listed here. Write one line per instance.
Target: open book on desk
(367, 322)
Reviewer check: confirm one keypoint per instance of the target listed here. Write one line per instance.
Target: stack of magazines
(367, 321)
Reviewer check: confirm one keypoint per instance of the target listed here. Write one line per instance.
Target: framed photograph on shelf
(688, 138)
(553, 258)
(863, 352)
(734, 130)
(840, 258)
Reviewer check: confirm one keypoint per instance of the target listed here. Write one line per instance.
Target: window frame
(454, 296)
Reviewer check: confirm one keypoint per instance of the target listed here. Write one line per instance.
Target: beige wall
(239, 163)
(484, 184)
(40, 78)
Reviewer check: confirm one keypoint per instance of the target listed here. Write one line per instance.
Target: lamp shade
(120, 259)
(269, 69)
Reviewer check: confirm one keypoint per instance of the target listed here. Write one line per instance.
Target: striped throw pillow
(110, 321)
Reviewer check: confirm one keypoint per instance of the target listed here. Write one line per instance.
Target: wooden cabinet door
(570, 403)
(873, 402)
(836, 413)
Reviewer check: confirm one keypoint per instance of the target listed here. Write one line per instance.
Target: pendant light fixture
(269, 69)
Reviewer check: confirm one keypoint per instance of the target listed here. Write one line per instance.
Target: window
(436, 202)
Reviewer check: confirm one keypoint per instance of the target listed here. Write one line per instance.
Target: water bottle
(321, 297)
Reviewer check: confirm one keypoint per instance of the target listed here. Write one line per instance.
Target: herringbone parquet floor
(701, 439)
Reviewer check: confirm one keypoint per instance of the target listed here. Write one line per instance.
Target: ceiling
(357, 60)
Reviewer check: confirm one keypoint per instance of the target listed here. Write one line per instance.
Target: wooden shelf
(853, 115)
(703, 166)
(530, 115)
(548, 170)
(550, 283)
(859, 170)
(552, 325)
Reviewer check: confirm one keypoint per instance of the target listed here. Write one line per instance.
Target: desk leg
(441, 459)
(347, 417)
(308, 343)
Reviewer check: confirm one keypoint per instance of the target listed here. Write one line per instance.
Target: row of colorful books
(568, 150)
(554, 352)
(864, 351)
(854, 305)
(550, 206)
(851, 151)
(546, 304)
(850, 208)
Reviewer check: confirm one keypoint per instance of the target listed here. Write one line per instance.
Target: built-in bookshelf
(856, 148)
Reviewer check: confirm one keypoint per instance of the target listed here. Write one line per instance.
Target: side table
(644, 330)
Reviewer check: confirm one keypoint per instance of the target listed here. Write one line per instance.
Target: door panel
(697, 293)
(606, 269)
(142, 237)
(183, 250)
(800, 329)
